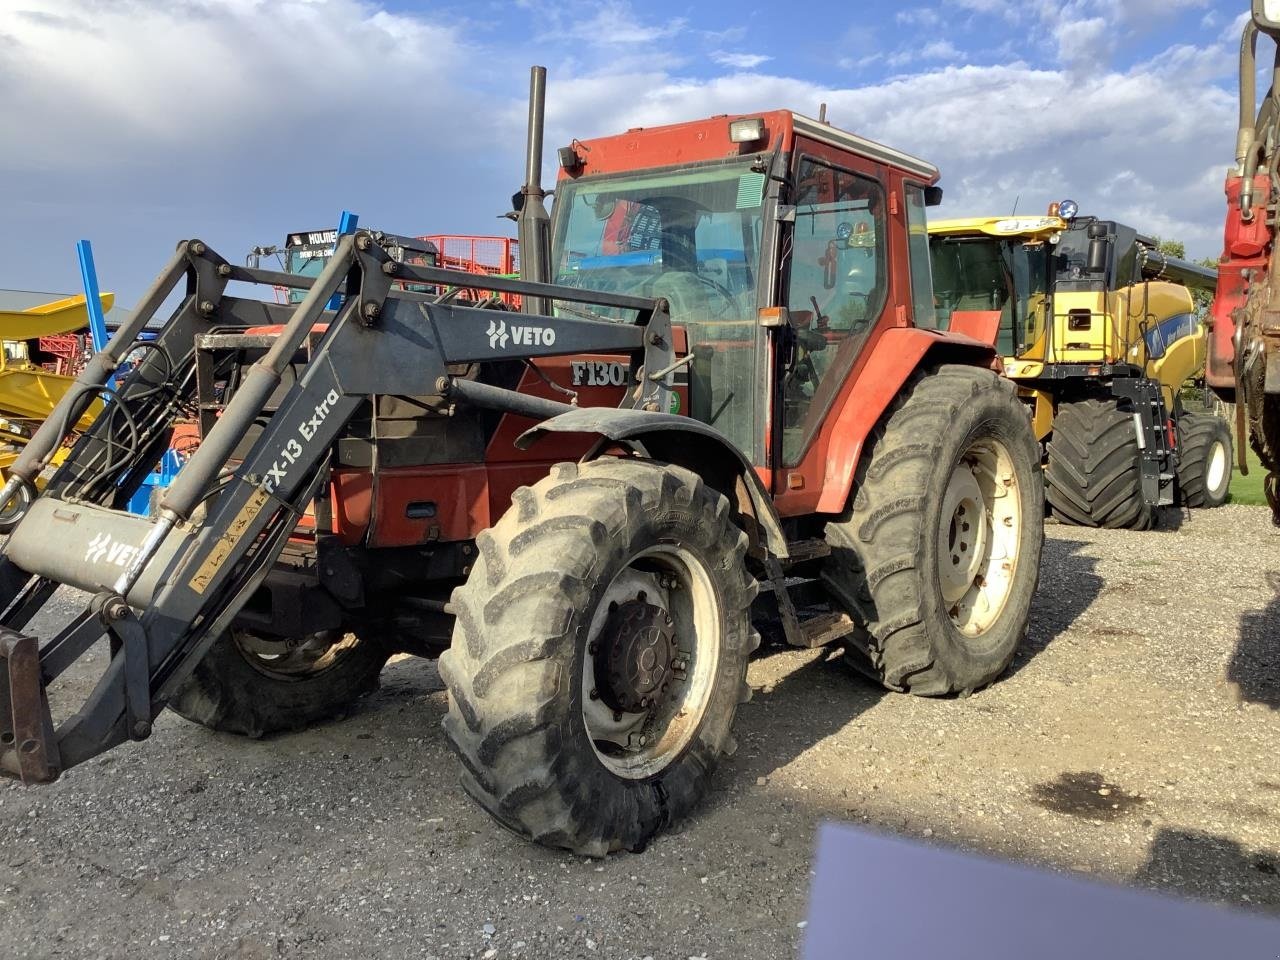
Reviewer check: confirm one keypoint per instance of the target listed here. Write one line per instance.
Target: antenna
(1015, 205)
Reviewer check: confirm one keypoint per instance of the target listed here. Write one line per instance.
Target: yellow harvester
(1100, 331)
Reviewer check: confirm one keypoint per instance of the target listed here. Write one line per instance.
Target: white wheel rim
(978, 537)
(638, 744)
(1216, 470)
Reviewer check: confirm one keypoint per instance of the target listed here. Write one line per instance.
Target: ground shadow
(1254, 667)
(1068, 585)
(1192, 861)
(801, 708)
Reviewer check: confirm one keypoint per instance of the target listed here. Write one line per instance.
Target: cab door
(837, 287)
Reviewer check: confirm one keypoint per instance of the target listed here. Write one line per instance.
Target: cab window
(837, 284)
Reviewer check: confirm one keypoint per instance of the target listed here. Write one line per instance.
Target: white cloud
(739, 61)
(998, 132)
(1085, 42)
(918, 17)
(247, 118)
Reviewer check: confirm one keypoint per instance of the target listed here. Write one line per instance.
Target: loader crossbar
(164, 588)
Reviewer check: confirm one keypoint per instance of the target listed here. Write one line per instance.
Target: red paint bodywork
(1246, 246)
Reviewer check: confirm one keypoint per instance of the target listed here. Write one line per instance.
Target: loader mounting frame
(164, 588)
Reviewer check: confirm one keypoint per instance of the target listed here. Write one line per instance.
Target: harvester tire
(235, 690)
(1094, 474)
(1204, 462)
(937, 559)
(593, 568)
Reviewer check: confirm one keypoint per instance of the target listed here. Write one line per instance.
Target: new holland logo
(499, 333)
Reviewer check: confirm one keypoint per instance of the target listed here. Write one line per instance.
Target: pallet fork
(164, 588)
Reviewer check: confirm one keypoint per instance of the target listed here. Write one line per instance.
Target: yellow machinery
(1100, 331)
(28, 392)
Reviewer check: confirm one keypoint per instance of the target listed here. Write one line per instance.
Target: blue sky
(140, 122)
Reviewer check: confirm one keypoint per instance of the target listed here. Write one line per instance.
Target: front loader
(726, 410)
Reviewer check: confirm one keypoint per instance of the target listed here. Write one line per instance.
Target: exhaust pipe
(534, 223)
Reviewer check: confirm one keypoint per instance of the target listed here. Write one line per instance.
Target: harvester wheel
(1094, 475)
(256, 687)
(1204, 463)
(600, 654)
(937, 559)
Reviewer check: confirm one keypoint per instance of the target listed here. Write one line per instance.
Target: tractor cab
(780, 244)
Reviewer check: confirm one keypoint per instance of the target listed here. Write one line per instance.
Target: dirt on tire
(884, 566)
(514, 670)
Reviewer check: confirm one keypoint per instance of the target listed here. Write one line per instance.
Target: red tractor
(724, 406)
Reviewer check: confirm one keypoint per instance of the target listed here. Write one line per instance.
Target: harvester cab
(1099, 328)
(723, 410)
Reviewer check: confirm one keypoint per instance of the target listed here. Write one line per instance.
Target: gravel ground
(1133, 739)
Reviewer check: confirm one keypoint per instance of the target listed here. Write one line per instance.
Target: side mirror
(1099, 246)
(932, 196)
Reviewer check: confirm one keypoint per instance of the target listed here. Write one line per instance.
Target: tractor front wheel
(600, 654)
(936, 560)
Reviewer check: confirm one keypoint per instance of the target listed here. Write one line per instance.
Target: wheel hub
(634, 655)
(963, 537)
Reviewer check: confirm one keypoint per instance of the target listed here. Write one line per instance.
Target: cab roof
(708, 139)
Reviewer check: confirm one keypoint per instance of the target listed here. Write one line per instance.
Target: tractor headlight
(1068, 209)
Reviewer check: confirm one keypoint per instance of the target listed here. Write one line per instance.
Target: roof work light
(746, 131)
(1266, 14)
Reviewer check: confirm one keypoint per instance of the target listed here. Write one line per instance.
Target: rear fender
(680, 440)
(894, 359)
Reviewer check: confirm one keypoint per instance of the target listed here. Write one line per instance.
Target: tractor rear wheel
(600, 654)
(1204, 462)
(937, 559)
(254, 686)
(1094, 475)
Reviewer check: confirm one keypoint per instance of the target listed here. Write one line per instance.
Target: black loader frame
(164, 588)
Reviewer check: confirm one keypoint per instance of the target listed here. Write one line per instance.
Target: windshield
(990, 273)
(691, 236)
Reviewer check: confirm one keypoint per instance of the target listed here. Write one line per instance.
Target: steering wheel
(725, 293)
(725, 305)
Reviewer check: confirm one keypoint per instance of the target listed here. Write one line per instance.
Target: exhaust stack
(534, 223)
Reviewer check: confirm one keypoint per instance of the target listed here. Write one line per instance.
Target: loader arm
(164, 588)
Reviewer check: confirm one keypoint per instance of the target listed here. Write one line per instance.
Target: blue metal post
(346, 225)
(92, 298)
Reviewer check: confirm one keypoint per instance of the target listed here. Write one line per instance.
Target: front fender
(668, 437)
